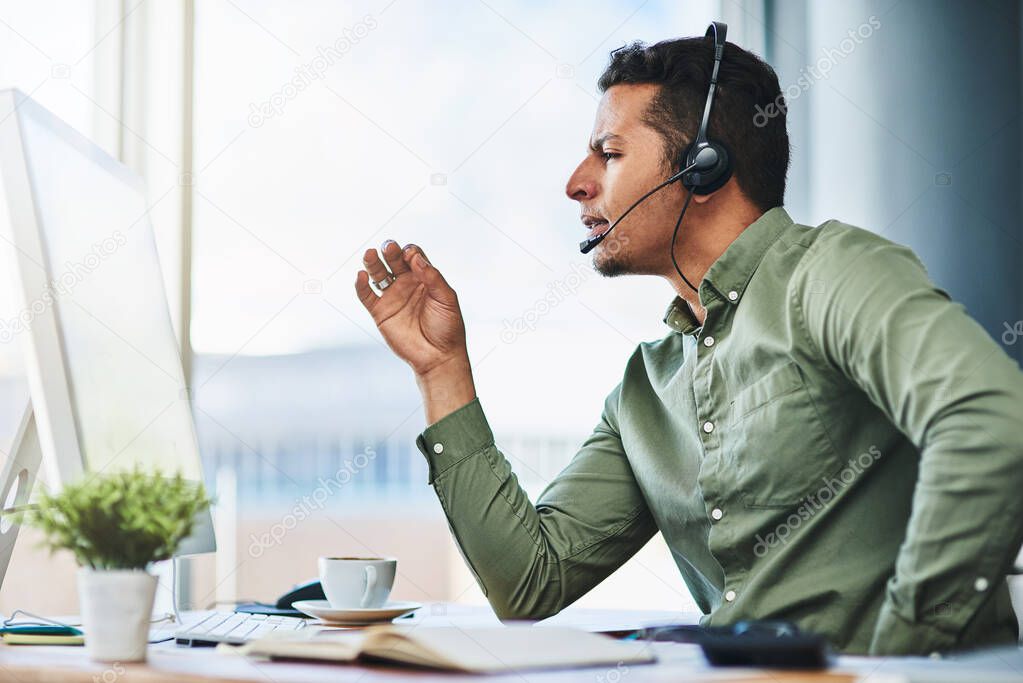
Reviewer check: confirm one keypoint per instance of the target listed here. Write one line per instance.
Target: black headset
(704, 166)
(714, 171)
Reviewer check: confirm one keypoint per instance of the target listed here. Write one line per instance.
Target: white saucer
(354, 616)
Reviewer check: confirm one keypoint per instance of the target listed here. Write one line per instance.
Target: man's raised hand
(419, 318)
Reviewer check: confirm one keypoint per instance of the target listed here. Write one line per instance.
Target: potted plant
(116, 526)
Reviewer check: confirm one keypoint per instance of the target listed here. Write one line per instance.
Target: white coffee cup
(357, 582)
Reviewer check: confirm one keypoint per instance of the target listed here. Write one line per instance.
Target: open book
(476, 650)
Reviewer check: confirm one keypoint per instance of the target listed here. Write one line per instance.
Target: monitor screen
(105, 286)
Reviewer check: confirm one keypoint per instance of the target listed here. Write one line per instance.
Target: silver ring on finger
(385, 283)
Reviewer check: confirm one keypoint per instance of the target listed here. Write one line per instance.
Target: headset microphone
(705, 159)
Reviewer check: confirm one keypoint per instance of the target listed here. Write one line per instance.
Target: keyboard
(234, 628)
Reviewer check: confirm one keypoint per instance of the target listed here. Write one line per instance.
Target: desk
(169, 662)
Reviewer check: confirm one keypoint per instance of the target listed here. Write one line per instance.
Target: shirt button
(716, 513)
(733, 295)
(980, 585)
(708, 341)
(708, 426)
(438, 448)
(730, 596)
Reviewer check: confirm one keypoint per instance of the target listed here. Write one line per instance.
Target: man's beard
(611, 258)
(612, 265)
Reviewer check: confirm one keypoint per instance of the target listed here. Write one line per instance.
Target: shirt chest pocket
(775, 445)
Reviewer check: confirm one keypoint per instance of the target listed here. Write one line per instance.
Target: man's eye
(607, 156)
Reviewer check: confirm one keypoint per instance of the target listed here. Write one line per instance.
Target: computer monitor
(102, 364)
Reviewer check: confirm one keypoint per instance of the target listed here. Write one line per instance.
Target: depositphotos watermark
(74, 273)
(819, 70)
(110, 674)
(1012, 333)
(614, 675)
(305, 74)
(814, 503)
(557, 292)
(305, 506)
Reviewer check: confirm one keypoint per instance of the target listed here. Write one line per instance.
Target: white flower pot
(116, 607)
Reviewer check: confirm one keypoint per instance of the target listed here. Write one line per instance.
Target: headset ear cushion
(715, 178)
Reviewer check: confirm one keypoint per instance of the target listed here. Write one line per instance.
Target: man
(822, 436)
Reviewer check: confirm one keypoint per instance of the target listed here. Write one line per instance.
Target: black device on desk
(310, 590)
(762, 644)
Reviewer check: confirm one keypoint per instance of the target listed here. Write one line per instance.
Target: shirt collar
(680, 318)
(731, 272)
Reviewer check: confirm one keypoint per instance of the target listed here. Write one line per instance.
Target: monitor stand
(16, 482)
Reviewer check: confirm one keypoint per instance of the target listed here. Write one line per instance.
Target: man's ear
(724, 190)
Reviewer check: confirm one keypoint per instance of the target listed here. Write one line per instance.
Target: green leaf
(125, 520)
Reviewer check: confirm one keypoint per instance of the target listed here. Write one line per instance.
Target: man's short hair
(748, 115)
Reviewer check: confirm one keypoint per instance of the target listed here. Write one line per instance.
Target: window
(60, 55)
(318, 131)
(318, 134)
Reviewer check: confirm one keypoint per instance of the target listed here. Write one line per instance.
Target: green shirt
(837, 446)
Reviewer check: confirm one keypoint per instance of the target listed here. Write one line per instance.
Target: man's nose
(581, 185)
